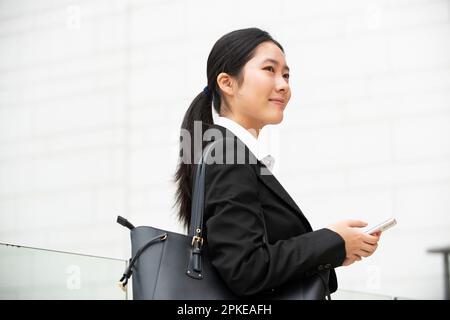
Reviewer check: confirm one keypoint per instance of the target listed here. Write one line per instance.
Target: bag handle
(194, 268)
(198, 198)
(129, 270)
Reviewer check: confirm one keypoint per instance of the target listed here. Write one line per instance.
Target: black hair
(229, 54)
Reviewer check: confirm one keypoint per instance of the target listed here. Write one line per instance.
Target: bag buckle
(197, 239)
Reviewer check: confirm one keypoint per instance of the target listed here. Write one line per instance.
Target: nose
(282, 85)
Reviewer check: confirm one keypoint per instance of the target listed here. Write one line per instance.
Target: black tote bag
(172, 266)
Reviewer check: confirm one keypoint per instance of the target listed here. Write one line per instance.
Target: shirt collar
(254, 145)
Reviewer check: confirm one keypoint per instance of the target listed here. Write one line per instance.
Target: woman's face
(264, 92)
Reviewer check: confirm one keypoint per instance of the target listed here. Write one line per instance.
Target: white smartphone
(383, 226)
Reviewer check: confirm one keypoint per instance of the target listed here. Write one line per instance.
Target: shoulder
(231, 174)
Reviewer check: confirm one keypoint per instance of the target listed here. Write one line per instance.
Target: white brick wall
(92, 94)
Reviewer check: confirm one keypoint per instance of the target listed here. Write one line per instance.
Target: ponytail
(199, 110)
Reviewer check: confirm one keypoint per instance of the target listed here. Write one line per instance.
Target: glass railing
(31, 273)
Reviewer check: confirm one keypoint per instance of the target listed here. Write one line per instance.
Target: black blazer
(240, 201)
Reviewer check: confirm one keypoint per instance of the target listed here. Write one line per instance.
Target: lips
(279, 101)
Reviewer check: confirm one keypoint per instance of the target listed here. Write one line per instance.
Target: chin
(276, 119)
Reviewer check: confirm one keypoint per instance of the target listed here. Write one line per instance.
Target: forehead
(267, 52)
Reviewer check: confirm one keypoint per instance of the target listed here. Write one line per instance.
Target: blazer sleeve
(235, 236)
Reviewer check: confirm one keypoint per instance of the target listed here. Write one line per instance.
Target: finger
(351, 262)
(369, 247)
(377, 234)
(348, 262)
(367, 250)
(356, 257)
(356, 223)
(370, 239)
(364, 253)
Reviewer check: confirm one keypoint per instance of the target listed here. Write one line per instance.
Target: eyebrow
(276, 63)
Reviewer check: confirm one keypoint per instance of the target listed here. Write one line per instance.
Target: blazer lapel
(272, 183)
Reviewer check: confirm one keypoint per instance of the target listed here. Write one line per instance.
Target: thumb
(356, 223)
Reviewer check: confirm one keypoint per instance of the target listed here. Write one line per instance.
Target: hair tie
(206, 91)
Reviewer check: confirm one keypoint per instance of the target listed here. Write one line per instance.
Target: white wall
(92, 94)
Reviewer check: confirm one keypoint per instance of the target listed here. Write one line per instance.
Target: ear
(225, 83)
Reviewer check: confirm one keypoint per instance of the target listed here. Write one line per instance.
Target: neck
(245, 123)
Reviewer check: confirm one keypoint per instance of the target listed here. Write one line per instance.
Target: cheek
(259, 84)
(256, 94)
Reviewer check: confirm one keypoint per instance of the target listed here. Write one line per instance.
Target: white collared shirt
(248, 139)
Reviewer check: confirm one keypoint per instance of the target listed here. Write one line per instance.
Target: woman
(258, 239)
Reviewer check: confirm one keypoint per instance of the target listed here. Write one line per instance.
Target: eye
(270, 68)
(286, 76)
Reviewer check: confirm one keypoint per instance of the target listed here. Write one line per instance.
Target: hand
(349, 261)
(357, 243)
